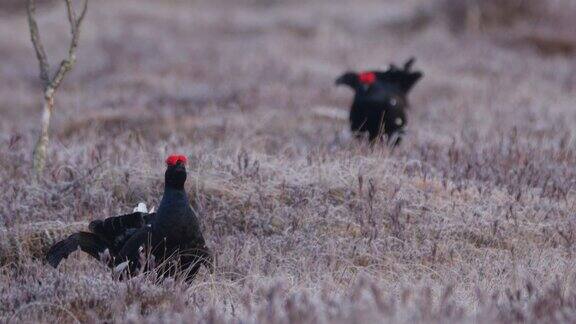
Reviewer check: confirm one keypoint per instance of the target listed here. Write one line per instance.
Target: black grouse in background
(381, 100)
(172, 235)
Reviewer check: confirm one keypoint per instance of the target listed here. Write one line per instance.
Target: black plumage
(380, 101)
(171, 236)
(105, 237)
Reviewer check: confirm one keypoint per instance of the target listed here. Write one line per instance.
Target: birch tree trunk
(41, 148)
(51, 84)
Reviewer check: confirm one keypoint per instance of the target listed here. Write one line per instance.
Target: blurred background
(181, 57)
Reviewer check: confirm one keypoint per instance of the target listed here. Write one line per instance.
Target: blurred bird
(380, 100)
(171, 236)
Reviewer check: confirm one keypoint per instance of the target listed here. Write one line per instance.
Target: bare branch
(71, 16)
(38, 47)
(83, 13)
(75, 24)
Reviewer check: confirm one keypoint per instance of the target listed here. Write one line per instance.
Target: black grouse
(172, 235)
(380, 101)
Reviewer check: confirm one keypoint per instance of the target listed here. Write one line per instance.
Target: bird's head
(357, 81)
(399, 79)
(175, 176)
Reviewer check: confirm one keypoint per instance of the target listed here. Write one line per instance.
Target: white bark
(40, 150)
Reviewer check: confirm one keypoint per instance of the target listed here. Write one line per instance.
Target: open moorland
(471, 219)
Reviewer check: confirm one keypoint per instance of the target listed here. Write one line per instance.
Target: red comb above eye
(175, 159)
(367, 78)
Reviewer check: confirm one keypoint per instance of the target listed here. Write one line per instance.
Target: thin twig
(75, 23)
(38, 47)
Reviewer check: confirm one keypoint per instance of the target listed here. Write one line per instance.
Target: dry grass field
(471, 219)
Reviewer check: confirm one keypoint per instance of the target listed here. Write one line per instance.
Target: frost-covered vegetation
(471, 219)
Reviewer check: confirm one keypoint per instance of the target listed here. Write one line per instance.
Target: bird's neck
(174, 191)
(173, 196)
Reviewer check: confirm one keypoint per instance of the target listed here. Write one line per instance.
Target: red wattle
(367, 78)
(174, 159)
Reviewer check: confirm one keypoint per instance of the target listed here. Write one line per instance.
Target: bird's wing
(140, 239)
(149, 217)
(133, 247)
(87, 242)
(114, 227)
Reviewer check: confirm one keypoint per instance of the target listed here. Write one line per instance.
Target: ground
(472, 219)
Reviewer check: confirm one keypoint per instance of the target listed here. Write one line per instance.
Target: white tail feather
(119, 268)
(141, 208)
(330, 112)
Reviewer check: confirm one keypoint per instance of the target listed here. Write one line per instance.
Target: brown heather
(472, 219)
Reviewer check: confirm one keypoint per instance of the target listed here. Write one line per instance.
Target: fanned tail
(87, 242)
